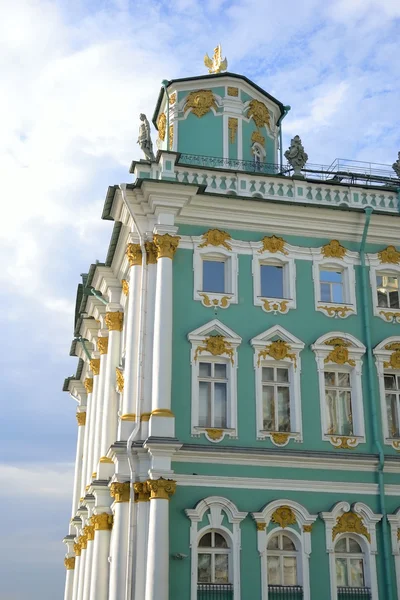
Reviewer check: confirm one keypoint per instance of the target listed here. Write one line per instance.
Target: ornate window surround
(335, 256)
(286, 514)
(287, 355)
(379, 264)
(362, 529)
(346, 356)
(387, 358)
(225, 349)
(218, 507)
(394, 521)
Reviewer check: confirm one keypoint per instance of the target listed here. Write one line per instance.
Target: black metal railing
(215, 162)
(214, 591)
(285, 592)
(354, 593)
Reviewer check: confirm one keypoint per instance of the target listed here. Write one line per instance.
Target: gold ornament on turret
(201, 102)
(216, 64)
(162, 126)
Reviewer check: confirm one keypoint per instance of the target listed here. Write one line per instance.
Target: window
(331, 286)
(272, 281)
(213, 559)
(384, 278)
(214, 276)
(276, 398)
(281, 561)
(338, 403)
(215, 267)
(387, 360)
(392, 397)
(213, 393)
(349, 561)
(388, 290)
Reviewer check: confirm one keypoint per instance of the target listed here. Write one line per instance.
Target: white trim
(275, 305)
(394, 521)
(382, 355)
(231, 270)
(389, 315)
(217, 507)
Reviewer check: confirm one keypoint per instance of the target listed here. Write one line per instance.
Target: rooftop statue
(295, 155)
(144, 139)
(396, 166)
(216, 64)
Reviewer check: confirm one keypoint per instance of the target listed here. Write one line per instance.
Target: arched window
(282, 560)
(213, 567)
(350, 569)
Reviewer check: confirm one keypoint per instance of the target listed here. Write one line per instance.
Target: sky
(75, 75)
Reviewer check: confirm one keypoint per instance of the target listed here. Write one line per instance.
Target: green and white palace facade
(238, 381)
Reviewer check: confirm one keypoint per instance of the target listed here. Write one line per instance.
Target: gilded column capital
(89, 532)
(125, 287)
(166, 245)
(142, 492)
(120, 491)
(151, 252)
(102, 522)
(84, 541)
(102, 345)
(161, 489)
(114, 321)
(88, 383)
(81, 418)
(120, 380)
(134, 254)
(95, 366)
(77, 547)
(69, 563)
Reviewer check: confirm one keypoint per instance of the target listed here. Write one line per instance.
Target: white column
(114, 322)
(119, 539)
(161, 420)
(89, 531)
(128, 417)
(88, 383)
(101, 549)
(81, 418)
(102, 346)
(157, 571)
(142, 497)
(95, 368)
(77, 549)
(69, 563)
(82, 565)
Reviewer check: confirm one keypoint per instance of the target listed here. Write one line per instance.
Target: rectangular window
(276, 399)
(272, 281)
(338, 403)
(331, 286)
(214, 276)
(213, 384)
(392, 396)
(388, 291)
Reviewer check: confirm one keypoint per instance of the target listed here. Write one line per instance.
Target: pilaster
(120, 491)
(102, 346)
(95, 369)
(88, 383)
(89, 532)
(102, 521)
(81, 420)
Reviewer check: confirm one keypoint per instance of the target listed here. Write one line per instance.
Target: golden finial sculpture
(216, 64)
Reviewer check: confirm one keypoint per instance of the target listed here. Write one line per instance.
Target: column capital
(114, 321)
(81, 418)
(102, 522)
(151, 252)
(125, 287)
(142, 492)
(69, 563)
(134, 254)
(166, 245)
(120, 380)
(95, 366)
(89, 532)
(83, 541)
(161, 489)
(120, 491)
(102, 344)
(88, 383)
(77, 547)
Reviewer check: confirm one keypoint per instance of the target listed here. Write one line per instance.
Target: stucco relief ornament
(151, 252)
(162, 126)
(114, 321)
(350, 523)
(120, 491)
(394, 360)
(340, 352)
(216, 237)
(396, 166)
(273, 244)
(102, 522)
(389, 255)
(95, 366)
(166, 245)
(279, 350)
(69, 563)
(161, 489)
(134, 254)
(144, 139)
(284, 516)
(216, 64)
(88, 383)
(259, 113)
(215, 345)
(333, 250)
(120, 380)
(200, 102)
(81, 418)
(296, 155)
(125, 287)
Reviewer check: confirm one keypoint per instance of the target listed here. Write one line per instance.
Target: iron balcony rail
(214, 591)
(354, 593)
(285, 592)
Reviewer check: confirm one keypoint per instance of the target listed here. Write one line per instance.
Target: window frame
(230, 258)
(348, 556)
(213, 551)
(383, 363)
(387, 314)
(281, 553)
(212, 380)
(270, 303)
(394, 521)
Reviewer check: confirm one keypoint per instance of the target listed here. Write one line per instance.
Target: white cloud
(46, 480)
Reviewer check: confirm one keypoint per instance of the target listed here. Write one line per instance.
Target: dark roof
(73, 377)
(215, 77)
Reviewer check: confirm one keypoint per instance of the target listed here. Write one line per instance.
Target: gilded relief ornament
(171, 137)
(201, 102)
(278, 306)
(390, 256)
(350, 522)
(394, 360)
(125, 287)
(77, 548)
(114, 321)
(336, 311)
(102, 345)
(279, 350)
(256, 137)
(232, 127)
(172, 99)
(120, 380)
(215, 434)
(343, 442)
(134, 255)
(333, 250)
(84, 542)
(340, 352)
(398, 531)
(221, 302)
(142, 492)
(95, 366)
(69, 563)
(81, 418)
(390, 316)
(261, 526)
(88, 383)
(279, 438)
(89, 531)
(216, 64)
(216, 237)
(166, 245)
(273, 244)
(120, 491)
(259, 113)
(102, 522)
(161, 489)
(151, 253)
(307, 528)
(162, 126)
(233, 91)
(284, 516)
(215, 345)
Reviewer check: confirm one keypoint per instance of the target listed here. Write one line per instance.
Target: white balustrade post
(100, 566)
(162, 422)
(81, 418)
(102, 346)
(119, 539)
(88, 383)
(157, 571)
(142, 497)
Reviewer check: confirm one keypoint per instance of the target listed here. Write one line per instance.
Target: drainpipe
(99, 296)
(82, 341)
(283, 115)
(373, 396)
(165, 83)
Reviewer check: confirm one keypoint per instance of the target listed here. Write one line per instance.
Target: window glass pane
(204, 404)
(283, 409)
(282, 375)
(287, 543)
(329, 378)
(272, 281)
(354, 546)
(344, 413)
(325, 292)
(205, 369)
(221, 568)
(204, 568)
(379, 282)
(341, 545)
(390, 382)
(331, 413)
(341, 572)
(392, 416)
(205, 541)
(394, 299)
(356, 575)
(213, 276)
(219, 541)
(267, 374)
(331, 276)
(392, 282)
(344, 379)
(289, 570)
(268, 408)
(337, 292)
(382, 299)
(220, 371)
(274, 576)
(220, 405)
(273, 543)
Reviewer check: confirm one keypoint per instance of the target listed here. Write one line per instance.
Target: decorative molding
(88, 383)
(273, 244)
(201, 102)
(233, 91)
(216, 345)
(128, 417)
(106, 460)
(350, 522)
(333, 250)
(222, 301)
(279, 438)
(261, 526)
(215, 435)
(171, 137)
(89, 531)
(77, 548)
(95, 366)
(279, 306)
(161, 489)
(151, 252)
(284, 516)
(142, 492)
(278, 350)
(216, 237)
(119, 379)
(81, 418)
(390, 316)
(102, 345)
(134, 255)
(394, 360)
(336, 311)
(307, 528)
(257, 138)
(389, 256)
(172, 99)
(232, 127)
(114, 321)
(259, 113)
(343, 442)
(125, 287)
(102, 522)
(84, 541)
(162, 412)
(120, 491)
(162, 126)
(340, 353)
(69, 563)
(166, 245)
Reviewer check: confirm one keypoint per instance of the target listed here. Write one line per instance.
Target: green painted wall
(201, 135)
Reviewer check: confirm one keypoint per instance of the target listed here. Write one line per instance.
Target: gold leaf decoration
(120, 380)
(69, 563)
(171, 137)
(390, 315)
(232, 126)
(114, 321)
(279, 350)
(134, 254)
(284, 516)
(333, 250)
(166, 245)
(161, 488)
(256, 137)
(394, 360)
(233, 91)
(200, 102)
(162, 126)
(390, 255)
(261, 526)
(89, 531)
(214, 434)
(88, 383)
(120, 491)
(151, 253)
(172, 99)
(102, 345)
(259, 113)
(307, 528)
(216, 64)
(95, 366)
(102, 522)
(125, 287)
(343, 442)
(275, 306)
(350, 522)
(215, 345)
(334, 311)
(216, 237)
(279, 438)
(222, 302)
(273, 244)
(340, 353)
(81, 418)
(398, 534)
(142, 492)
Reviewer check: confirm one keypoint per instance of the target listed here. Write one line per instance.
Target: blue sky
(75, 76)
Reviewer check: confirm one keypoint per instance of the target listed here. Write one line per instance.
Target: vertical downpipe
(373, 396)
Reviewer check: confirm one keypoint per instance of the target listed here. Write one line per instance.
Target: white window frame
(369, 548)
(268, 303)
(215, 299)
(382, 356)
(389, 315)
(355, 351)
(199, 354)
(260, 343)
(301, 538)
(217, 508)
(394, 521)
(346, 266)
